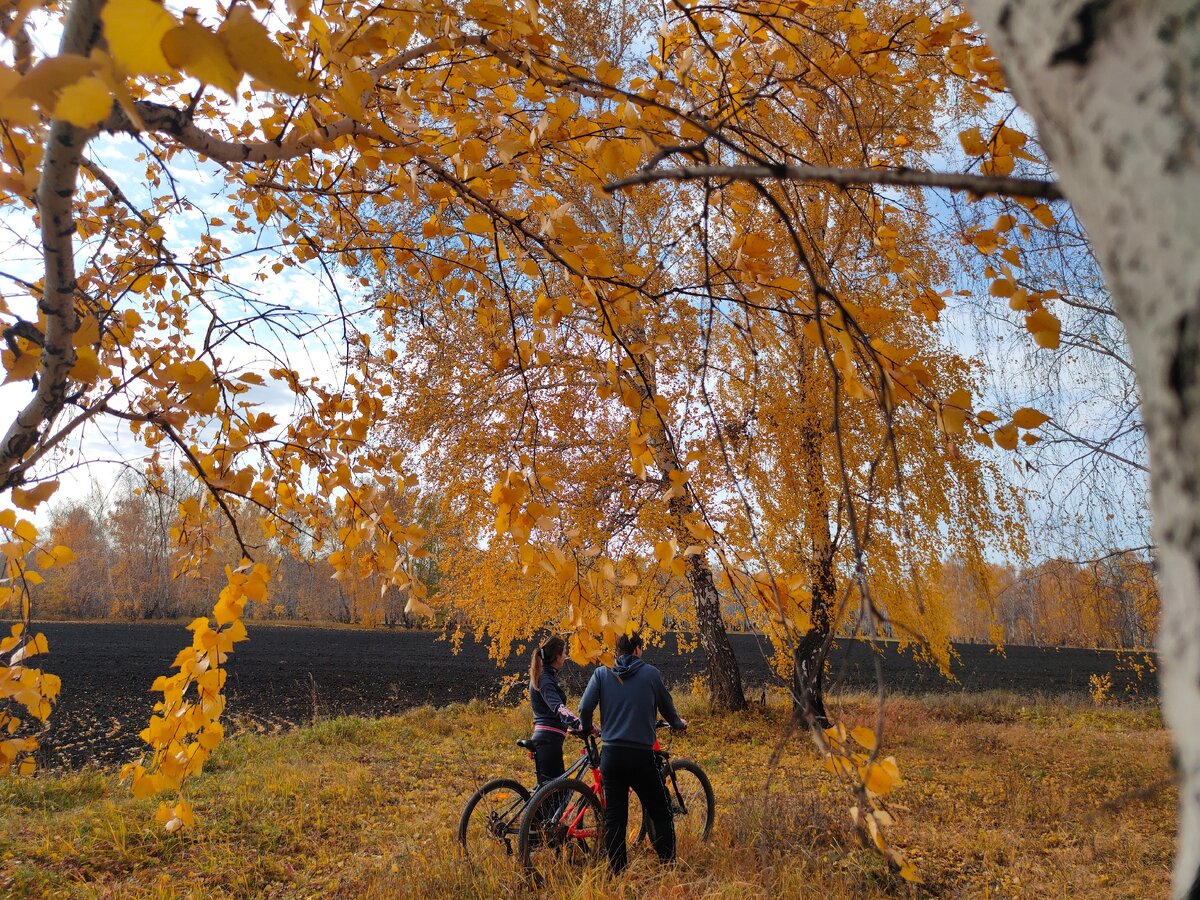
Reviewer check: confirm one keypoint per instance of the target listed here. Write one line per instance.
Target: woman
(551, 717)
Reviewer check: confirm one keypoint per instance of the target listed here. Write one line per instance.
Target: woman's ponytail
(547, 653)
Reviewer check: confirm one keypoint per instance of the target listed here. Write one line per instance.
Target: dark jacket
(550, 711)
(629, 694)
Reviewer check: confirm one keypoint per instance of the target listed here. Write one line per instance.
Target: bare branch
(178, 124)
(976, 184)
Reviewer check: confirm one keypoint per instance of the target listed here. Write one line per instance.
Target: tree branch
(178, 124)
(55, 199)
(976, 184)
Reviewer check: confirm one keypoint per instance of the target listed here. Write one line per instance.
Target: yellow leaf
(14, 108)
(877, 779)
(58, 556)
(1042, 213)
(87, 365)
(1044, 327)
(654, 619)
(25, 531)
(200, 53)
(1026, 417)
(88, 333)
(1003, 223)
(85, 103)
(20, 368)
(135, 30)
(1006, 436)
(972, 142)
(251, 49)
(415, 607)
(1002, 287)
(838, 765)
(864, 736)
(985, 241)
(952, 415)
(578, 654)
(35, 496)
(478, 223)
(45, 81)
(501, 357)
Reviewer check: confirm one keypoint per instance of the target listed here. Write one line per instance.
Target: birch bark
(1114, 87)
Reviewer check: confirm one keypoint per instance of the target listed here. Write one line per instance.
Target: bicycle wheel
(692, 804)
(491, 819)
(562, 822)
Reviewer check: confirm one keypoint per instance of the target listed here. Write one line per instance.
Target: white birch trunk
(1114, 87)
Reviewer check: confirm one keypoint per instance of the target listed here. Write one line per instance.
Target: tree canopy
(645, 297)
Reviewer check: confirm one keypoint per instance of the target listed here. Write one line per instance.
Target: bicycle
(492, 816)
(500, 804)
(565, 817)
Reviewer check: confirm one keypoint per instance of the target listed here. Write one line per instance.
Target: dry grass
(1004, 797)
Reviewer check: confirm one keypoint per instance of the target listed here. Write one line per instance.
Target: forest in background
(131, 568)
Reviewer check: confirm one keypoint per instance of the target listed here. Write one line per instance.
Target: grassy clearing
(1004, 797)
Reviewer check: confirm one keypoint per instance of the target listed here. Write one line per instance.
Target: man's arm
(665, 704)
(587, 705)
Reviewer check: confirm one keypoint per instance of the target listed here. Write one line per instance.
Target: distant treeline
(129, 568)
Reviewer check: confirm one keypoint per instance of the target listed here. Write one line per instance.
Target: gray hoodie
(629, 695)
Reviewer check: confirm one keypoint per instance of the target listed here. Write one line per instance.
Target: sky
(305, 289)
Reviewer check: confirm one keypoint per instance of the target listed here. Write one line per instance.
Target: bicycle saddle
(526, 743)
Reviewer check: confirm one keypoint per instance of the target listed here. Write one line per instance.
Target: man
(630, 694)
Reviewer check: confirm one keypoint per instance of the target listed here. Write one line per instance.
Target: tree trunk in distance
(724, 673)
(808, 656)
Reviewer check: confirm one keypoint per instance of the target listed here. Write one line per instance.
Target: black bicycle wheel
(692, 803)
(491, 819)
(562, 822)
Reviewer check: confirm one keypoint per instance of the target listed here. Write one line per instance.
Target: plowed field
(283, 675)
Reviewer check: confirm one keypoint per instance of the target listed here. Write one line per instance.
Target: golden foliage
(701, 379)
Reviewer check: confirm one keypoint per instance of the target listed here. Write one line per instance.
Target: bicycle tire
(583, 799)
(706, 791)
(493, 786)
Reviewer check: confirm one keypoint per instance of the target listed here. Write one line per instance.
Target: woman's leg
(548, 756)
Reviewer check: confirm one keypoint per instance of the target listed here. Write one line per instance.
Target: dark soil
(285, 675)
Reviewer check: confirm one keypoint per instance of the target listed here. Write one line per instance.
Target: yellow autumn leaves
(186, 727)
(872, 778)
(955, 413)
(22, 686)
(30, 688)
(145, 40)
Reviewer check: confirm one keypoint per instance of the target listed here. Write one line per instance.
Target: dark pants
(548, 759)
(623, 768)
(548, 755)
